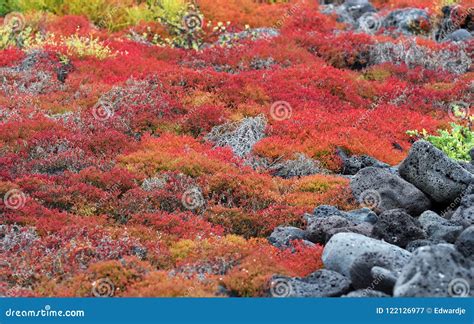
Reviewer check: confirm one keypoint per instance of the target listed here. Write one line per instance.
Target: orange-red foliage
(103, 198)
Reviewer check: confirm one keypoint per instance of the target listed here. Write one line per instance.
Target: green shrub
(137, 14)
(168, 10)
(456, 143)
(112, 15)
(183, 21)
(53, 6)
(6, 6)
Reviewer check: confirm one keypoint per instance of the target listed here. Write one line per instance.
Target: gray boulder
(465, 242)
(398, 228)
(349, 11)
(372, 271)
(468, 166)
(325, 211)
(464, 215)
(282, 236)
(356, 216)
(362, 215)
(362, 228)
(343, 249)
(363, 293)
(436, 271)
(318, 231)
(322, 283)
(438, 228)
(381, 190)
(405, 20)
(327, 221)
(434, 173)
(414, 245)
(353, 164)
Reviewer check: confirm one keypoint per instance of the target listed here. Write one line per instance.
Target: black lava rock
(363, 293)
(438, 228)
(372, 271)
(465, 242)
(353, 164)
(436, 271)
(344, 249)
(397, 227)
(381, 190)
(357, 216)
(282, 236)
(464, 215)
(322, 283)
(414, 245)
(434, 173)
(319, 230)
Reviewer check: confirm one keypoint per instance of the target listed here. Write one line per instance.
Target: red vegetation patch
(107, 174)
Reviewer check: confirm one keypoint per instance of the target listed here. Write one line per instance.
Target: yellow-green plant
(170, 11)
(447, 2)
(137, 14)
(5, 38)
(53, 6)
(182, 19)
(456, 143)
(109, 14)
(87, 46)
(103, 13)
(10, 37)
(80, 46)
(6, 6)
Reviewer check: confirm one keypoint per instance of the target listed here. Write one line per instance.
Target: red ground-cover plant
(98, 156)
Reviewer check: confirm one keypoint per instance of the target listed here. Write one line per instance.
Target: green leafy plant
(53, 6)
(6, 6)
(456, 143)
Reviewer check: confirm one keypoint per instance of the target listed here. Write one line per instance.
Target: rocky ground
(411, 242)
